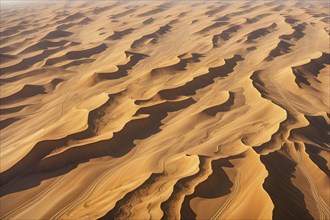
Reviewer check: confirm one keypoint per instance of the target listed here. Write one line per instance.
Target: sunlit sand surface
(165, 110)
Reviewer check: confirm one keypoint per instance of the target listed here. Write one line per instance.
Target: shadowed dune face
(165, 110)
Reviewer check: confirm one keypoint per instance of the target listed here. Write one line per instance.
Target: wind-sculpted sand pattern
(165, 110)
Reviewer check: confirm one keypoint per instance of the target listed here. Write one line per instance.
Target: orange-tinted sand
(165, 109)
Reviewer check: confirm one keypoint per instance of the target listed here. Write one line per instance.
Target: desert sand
(165, 110)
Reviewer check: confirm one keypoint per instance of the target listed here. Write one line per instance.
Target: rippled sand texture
(158, 109)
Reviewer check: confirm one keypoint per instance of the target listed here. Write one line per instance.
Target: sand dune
(165, 110)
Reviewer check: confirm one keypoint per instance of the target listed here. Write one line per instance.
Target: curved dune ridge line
(165, 110)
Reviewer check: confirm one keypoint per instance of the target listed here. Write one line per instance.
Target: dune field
(165, 109)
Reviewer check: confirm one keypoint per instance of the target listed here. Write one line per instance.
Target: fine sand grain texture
(165, 109)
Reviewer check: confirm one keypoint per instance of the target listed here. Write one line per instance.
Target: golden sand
(165, 109)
